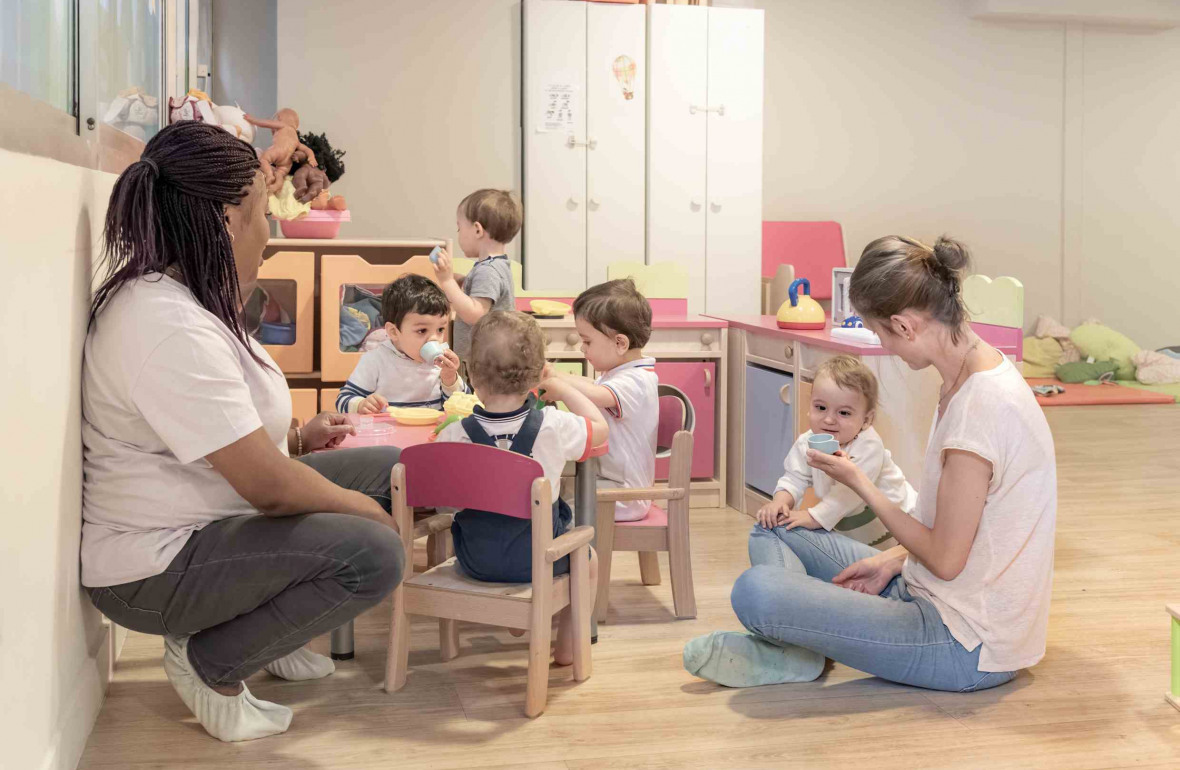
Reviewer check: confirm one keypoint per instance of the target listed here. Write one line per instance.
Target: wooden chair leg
(436, 548)
(605, 536)
(649, 568)
(581, 598)
(540, 636)
(684, 600)
(448, 639)
(398, 657)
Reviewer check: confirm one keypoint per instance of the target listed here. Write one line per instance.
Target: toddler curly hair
(507, 353)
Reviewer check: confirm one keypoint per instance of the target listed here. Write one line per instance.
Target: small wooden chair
(487, 479)
(660, 530)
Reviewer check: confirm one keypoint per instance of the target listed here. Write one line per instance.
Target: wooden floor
(1095, 701)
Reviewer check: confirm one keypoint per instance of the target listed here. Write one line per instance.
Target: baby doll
(285, 149)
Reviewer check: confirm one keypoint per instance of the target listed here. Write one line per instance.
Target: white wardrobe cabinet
(584, 100)
(704, 159)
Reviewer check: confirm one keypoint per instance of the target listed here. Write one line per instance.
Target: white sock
(301, 665)
(240, 717)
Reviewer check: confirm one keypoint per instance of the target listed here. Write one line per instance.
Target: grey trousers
(251, 589)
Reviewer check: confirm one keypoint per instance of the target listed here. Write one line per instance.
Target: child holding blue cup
(414, 366)
(843, 405)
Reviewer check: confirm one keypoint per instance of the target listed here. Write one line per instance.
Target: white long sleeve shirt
(836, 500)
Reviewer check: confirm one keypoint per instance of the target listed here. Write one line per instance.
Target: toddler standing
(486, 221)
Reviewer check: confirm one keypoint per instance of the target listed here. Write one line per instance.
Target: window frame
(31, 126)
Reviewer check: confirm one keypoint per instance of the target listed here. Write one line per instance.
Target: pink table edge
(1008, 340)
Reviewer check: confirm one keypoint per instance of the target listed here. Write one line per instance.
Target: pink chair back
(470, 476)
(813, 248)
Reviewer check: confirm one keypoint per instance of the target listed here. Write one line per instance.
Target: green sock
(738, 659)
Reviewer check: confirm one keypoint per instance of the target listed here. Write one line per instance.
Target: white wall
(1051, 152)
(1128, 260)
(53, 657)
(245, 59)
(424, 97)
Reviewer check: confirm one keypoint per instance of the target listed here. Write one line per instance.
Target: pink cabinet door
(697, 380)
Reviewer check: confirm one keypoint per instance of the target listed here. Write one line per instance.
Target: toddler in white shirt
(843, 404)
(415, 311)
(614, 323)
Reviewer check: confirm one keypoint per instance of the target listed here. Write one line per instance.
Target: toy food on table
(461, 404)
(415, 415)
(548, 307)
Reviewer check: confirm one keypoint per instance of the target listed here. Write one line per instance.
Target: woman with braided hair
(199, 522)
(962, 603)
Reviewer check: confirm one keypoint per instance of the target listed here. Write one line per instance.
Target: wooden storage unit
(304, 404)
(337, 272)
(287, 270)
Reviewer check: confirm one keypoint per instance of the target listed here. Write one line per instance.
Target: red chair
(483, 478)
(660, 530)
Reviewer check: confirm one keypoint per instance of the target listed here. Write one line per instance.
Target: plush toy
(132, 111)
(285, 149)
(196, 105)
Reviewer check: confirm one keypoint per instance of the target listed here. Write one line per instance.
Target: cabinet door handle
(573, 143)
(715, 206)
(592, 204)
(788, 351)
(572, 203)
(708, 379)
(572, 339)
(694, 204)
(694, 109)
(784, 394)
(706, 339)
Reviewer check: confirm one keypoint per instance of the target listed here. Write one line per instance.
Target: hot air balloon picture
(623, 68)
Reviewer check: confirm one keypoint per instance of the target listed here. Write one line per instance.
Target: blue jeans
(787, 597)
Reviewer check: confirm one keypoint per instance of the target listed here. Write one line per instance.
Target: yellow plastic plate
(415, 415)
(547, 307)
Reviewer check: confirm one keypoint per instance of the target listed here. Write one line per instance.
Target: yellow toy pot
(800, 311)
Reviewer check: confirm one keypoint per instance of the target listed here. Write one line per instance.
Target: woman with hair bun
(962, 603)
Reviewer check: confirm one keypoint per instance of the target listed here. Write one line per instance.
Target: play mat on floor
(1097, 365)
(1085, 394)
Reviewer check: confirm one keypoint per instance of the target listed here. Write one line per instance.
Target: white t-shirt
(563, 437)
(838, 501)
(633, 422)
(396, 377)
(164, 383)
(1001, 598)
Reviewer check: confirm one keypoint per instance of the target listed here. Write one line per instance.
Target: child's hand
(373, 404)
(773, 514)
(443, 269)
(548, 372)
(801, 519)
(448, 364)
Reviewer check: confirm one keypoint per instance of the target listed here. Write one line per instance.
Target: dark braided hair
(167, 210)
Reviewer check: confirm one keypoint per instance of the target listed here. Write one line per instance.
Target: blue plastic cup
(432, 350)
(824, 442)
(434, 254)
